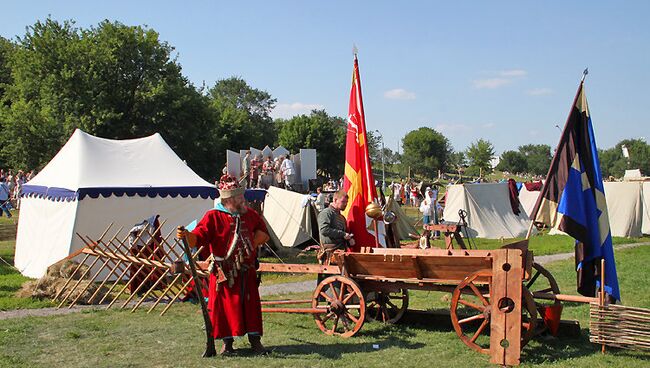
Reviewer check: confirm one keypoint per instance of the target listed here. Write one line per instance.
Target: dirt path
(277, 289)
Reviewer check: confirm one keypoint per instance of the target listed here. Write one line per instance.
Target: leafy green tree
(426, 151)
(479, 155)
(244, 113)
(320, 131)
(6, 48)
(112, 80)
(457, 160)
(613, 163)
(512, 161)
(538, 158)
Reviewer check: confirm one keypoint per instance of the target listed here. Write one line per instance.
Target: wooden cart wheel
(544, 284)
(543, 281)
(471, 310)
(386, 306)
(343, 305)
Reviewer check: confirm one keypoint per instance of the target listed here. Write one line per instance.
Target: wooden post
(374, 224)
(602, 294)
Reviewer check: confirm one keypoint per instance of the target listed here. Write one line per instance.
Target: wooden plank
(505, 324)
(513, 319)
(299, 268)
(497, 320)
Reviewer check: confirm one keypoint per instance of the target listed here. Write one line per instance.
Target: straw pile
(49, 285)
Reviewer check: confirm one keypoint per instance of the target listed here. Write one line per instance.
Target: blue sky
(505, 71)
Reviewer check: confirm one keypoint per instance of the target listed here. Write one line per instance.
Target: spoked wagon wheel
(343, 306)
(471, 311)
(386, 306)
(543, 281)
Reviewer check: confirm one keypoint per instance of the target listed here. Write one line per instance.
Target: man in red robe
(234, 306)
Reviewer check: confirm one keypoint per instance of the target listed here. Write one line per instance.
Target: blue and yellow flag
(573, 200)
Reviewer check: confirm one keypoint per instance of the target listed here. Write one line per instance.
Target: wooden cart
(488, 292)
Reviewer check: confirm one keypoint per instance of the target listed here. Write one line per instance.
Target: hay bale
(48, 286)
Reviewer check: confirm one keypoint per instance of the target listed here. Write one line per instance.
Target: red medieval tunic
(235, 310)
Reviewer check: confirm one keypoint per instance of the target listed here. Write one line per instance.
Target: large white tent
(93, 182)
(489, 214)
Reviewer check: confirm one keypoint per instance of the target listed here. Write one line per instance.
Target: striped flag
(573, 200)
(359, 182)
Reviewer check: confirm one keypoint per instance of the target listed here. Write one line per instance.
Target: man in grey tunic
(331, 224)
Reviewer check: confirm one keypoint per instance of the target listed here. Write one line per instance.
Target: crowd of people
(258, 172)
(11, 186)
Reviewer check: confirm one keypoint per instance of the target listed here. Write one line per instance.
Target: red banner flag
(359, 182)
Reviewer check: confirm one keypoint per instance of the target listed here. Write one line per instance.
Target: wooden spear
(210, 350)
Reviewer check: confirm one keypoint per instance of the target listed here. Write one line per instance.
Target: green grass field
(123, 339)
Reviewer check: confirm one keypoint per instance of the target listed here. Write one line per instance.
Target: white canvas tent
(92, 182)
(625, 207)
(645, 224)
(291, 216)
(528, 198)
(489, 214)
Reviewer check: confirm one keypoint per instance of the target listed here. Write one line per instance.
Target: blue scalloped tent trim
(63, 194)
(255, 195)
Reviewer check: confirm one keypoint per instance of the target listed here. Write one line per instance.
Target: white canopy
(489, 214)
(86, 161)
(93, 182)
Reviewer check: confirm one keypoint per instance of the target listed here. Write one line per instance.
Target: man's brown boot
(226, 348)
(256, 344)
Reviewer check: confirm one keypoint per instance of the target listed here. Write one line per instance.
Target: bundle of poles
(127, 276)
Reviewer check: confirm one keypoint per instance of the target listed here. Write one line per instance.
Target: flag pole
(537, 203)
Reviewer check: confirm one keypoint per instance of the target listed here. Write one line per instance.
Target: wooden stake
(92, 279)
(78, 266)
(602, 290)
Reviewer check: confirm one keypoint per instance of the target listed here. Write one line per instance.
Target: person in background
(267, 173)
(246, 166)
(256, 169)
(5, 196)
(427, 207)
(320, 199)
(415, 200)
(288, 172)
(407, 193)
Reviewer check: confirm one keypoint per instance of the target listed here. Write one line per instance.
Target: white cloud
(491, 83)
(452, 128)
(288, 110)
(499, 78)
(513, 73)
(399, 94)
(488, 125)
(539, 91)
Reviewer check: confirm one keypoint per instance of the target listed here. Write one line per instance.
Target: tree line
(119, 82)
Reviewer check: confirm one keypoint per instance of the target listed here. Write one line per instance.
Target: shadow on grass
(335, 351)
(556, 350)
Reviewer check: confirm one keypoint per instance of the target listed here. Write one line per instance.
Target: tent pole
(530, 229)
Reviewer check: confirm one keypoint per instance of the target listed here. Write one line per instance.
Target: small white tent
(528, 198)
(645, 224)
(489, 214)
(624, 207)
(292, 216)
(92, 182)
